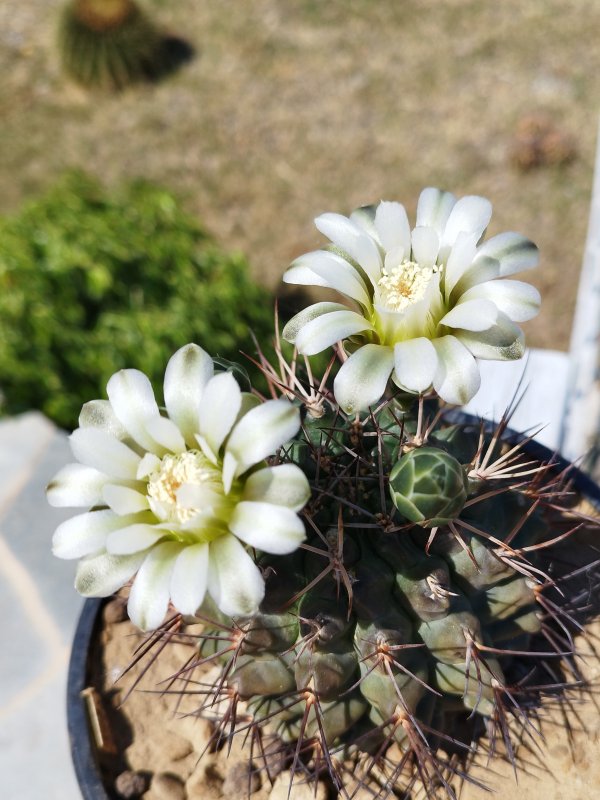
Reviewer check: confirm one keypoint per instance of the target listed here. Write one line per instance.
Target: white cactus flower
(426, 303)
(176, 497)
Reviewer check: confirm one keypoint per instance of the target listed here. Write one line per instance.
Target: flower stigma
(191, 467)
(404, 285)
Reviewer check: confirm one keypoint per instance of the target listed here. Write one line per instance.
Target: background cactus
(109, 44)
(423, 612)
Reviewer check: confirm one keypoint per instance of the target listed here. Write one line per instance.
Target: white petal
(274, 529)
(425, 246)
(124, 500)
(472, 315)
(189, 578)
(132, 398)
(234, 581)
(518, 300)
(283, 485)
(187, 373)
(76, 486)
(166, 434)
(433, 209)
(301, 275)
(514, 252)
(133, 538)
(199, 496)
(85, 533)
(460, 259)
(103, 575)
(350, 238)
(325, 331)
(98, 449)
(219, 407)
(470, 214)
(457, 378)
(149, 596)
(392, 226)
(305, 316)
(148, 464)
(502, 342)
(334, 272)
(415, 363)
(362, 379)
(260, 433)
(364, 217)
(100, 414)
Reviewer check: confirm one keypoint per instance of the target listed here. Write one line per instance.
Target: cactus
(428, 600)
(416, 607)
(110, 44)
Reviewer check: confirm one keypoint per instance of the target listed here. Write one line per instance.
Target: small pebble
(300, 789)
(175, 747)
(241, 779)
(168, 787)
(131, 785)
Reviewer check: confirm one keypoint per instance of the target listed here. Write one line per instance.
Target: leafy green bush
(91, 282)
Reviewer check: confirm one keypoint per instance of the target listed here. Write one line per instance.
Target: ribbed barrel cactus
(110, 44)
(376, 583)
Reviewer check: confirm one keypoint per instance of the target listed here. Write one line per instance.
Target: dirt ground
(293, 108)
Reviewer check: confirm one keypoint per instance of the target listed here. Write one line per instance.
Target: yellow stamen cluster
(175, 470)
(404, 285)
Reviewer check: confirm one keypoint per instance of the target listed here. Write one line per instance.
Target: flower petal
(86, 533)
(98, 449)
(334, 272)
(149, 596)
(132, 398)
(219, 407)
(471, 315)
(257, 435)
(518, 300)
(504, 341)
(415, 363)
(133, 538)
(362, 379)
(76, 485)
(124, 500)
(189, 578)
(187, 373)
(273, 529)
(460, 259)
(456, 378)
(425, 246)
(433, 209)
(350, 238)
(470, 214)
(166, 434)
(364, 217)
(234, 581)
(514, 252)
(307, 315)
(283, 485)
(298, 273)
(100, 414)
(393, 227)
(321, 333)
(104, 574)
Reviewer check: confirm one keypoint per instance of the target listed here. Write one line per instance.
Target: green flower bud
(428, 486)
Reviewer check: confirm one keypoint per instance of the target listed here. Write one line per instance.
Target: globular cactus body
(411, 600)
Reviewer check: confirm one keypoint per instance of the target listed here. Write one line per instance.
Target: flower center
(191, 467)
(404, 285)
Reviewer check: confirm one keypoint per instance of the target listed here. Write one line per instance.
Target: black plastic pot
(80, 737)
(82, 746)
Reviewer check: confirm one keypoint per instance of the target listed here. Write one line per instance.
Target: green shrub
(91, 282)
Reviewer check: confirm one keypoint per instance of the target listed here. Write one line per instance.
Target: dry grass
(292, 108)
